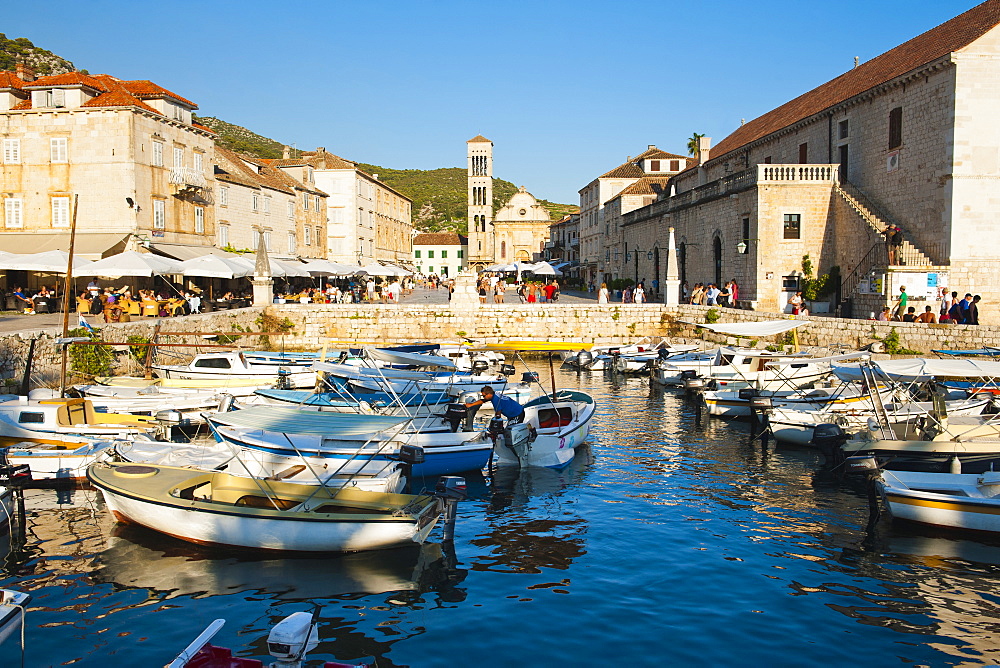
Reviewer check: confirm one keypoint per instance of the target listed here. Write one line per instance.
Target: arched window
(717, 253)
(503, 250)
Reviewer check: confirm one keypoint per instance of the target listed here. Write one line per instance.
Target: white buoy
(956, 465)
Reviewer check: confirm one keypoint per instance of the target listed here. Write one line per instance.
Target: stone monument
(263, 283)
(466, 294)
(672, 284)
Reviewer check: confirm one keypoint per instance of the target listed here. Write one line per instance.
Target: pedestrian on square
(603, 297)
(902, 300)
(973, 317)
(639, 294)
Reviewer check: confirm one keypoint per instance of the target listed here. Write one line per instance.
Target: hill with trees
(21, 50)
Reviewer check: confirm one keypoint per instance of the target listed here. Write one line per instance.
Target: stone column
(672, 284)
(263, 283)
(466, 295)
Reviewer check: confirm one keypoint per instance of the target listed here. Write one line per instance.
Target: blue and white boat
(342, 401)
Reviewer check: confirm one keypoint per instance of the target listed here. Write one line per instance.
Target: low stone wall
(314, 325)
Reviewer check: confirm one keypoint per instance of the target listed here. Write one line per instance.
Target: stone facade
(520, 229)
(905, 139)
(482, 241)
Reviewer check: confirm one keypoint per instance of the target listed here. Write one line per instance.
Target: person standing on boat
(502, 404)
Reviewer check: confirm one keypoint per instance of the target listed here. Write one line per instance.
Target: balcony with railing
(766, 174)
(185, 177)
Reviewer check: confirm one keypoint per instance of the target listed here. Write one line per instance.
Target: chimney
(321, 150)
(286, 152)
(375, 176)
(650, 147)
(24, 72)
(704, 149)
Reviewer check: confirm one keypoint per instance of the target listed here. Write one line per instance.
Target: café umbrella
(52, 262)
(216, 266)
(132, 263)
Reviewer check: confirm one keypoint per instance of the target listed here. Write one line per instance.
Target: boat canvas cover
(980, 352)
(796, 358)
(295, 421)
(416, 359)
(752, 329)
(922, 369)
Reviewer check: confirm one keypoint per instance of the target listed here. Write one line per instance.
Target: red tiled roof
(440, 239)
(68, 79)
(928, 47)
(23, 104)
(628, 170)
(11, 80)
(118, 98)
(657, 154)
(479, 139)
(204, 127)
(648, 185)
(144, 89)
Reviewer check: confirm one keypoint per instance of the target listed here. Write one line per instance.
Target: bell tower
(480, 156)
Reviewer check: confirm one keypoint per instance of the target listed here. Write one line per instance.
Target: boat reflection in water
(524, 539)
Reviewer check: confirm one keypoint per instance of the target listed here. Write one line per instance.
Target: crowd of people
(493, 287)
(711, 294)
(951, 310)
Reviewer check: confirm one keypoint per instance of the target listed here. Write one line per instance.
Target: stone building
(129, 149)
(367, 220)
(908, 138)
(595, 232)
(564, 241)
(621, 258)
(482, 241)
(257, 198)
(520, 229)
(440, 253)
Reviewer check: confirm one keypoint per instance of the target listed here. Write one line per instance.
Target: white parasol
(132, 263)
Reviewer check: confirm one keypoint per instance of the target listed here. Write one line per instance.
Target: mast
(66, 294)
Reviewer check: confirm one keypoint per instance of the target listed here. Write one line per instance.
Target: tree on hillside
(693, 143)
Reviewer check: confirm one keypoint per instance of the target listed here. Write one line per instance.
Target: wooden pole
(67, 295)
(149, 353)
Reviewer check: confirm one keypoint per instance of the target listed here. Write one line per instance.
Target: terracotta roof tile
(11, 80)
(440, 239)
(657, 154)
(648, 185)
(204, 127)
(118, 98)
(145, 89)
(628, 170)
(68, 79)
(478, 139)
(925, 48)
(23, 104)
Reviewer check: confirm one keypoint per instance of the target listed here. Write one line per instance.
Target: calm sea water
(672, 538)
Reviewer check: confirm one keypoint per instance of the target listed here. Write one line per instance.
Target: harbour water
(672, 538)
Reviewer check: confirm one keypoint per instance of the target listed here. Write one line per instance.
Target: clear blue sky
(566, 90)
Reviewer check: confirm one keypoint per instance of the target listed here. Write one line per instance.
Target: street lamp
(742, 246)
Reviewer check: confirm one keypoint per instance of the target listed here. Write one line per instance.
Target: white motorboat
(553, 427)
(13, 605)
(374, 476)
(65, 421)
(215, 508)
(846, 396)
(293, 371)
(62, 462)
(954, 500)
(796, 426)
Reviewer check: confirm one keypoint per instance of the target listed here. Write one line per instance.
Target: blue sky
(566, 90)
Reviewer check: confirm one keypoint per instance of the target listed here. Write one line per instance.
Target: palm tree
(693, 143)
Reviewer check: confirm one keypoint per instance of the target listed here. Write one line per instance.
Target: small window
(59, 149)
(199, 220)
(305, 201)
(430, 270)
(654, 165)
(430, 255)
(267, 204)
(213, 363)
(223, 236)
(307, 235)
(31, 418)
(11, 151)
(416, 255)
(803, 153)
(55, 98)
(315, 202)
(461, 254)
(60, 212)
(675, 165)
(13, 212)
(767, 160)
(790, 283)
(843, 129)
(444, 255)
(158, 154)
(159, 214)
(291, 242)
(793, 226)
(178, 157)
(224, 196)
(255, 202)
(198, 162)
(291, 209)
(896, 128)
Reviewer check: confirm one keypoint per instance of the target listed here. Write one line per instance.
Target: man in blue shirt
(502, 404)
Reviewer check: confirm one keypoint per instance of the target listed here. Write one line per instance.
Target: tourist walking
(603, 296)
(639, 294)
(901, 302)
(973, 312)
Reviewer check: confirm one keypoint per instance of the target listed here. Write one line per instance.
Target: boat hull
(551, 447)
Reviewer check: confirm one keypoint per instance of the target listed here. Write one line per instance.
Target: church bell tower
(480, 155)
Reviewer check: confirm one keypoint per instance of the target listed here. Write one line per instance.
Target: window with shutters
(59, 149)
(60, 212)
(11, 151)
(316, 203)
(224, 196)
(55, 98)
(416, 255)
(158, 154)
(178, 157)
(654, 165)
(198, 162)
(307, 235)
(199, 220)
(291, 242)
(267, 204)
(305, 201)
(444, 255)
(675, 165)
(291, 209)
(159, 214)
(896, 128)
(13, 209)
(223, 235)
(255, 202)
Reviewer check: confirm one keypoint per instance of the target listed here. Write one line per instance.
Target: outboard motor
(529, 377)
(284, 379)
(454, 414)
(747, 393)
(507, 369)
(584, 358)
(226, 403)
(495, 427)
(292, 638)
(692, 381)
(450, 490)
(480, 366)
(663, 353)
(860, 464)
(829, 438)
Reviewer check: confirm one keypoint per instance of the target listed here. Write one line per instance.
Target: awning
(88, 246)
(187, 251)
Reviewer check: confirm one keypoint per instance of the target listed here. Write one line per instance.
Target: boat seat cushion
(550, 418)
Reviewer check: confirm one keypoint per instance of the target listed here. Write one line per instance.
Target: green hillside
(440, 199)
(238, 138)
(21, 50)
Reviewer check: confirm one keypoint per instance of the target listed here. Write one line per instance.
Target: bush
(93, 360)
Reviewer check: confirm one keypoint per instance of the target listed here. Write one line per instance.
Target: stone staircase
(877, 219)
